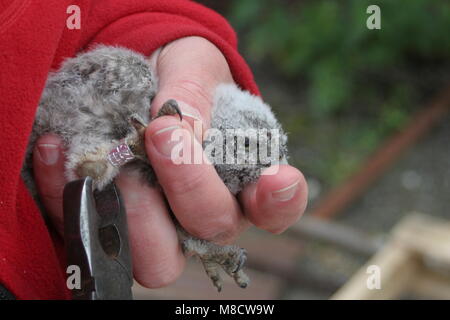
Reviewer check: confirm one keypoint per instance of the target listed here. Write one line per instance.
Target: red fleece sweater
(34, 39)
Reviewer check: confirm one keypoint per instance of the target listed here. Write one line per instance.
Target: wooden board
(413, 261)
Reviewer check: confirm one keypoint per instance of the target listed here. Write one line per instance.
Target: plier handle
(96, 240)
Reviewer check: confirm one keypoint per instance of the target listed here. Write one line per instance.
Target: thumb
(193, 98)
(189, 70)
(48, 169)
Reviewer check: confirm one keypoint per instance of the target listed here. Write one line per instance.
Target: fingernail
(197, 122)
(285, 194)
(166, 139)
(48, 153)
(189, 111)
(271, 171)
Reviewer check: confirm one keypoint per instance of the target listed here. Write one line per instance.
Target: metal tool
(96, 240)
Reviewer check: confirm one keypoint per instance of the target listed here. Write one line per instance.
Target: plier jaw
(96, 240)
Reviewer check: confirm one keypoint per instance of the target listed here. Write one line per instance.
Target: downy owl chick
(99, 102)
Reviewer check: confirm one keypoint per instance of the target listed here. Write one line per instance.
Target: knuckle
(50, 192)
(220, 228)
(187, 182)
(49, 138)
(192, 90)
(195, 87)
(227, 226)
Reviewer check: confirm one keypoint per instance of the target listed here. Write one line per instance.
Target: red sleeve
(33, 40)
(145, 25)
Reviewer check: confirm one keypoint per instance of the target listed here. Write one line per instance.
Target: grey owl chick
(99, 103)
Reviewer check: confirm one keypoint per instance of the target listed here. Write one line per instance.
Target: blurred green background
(338, 87)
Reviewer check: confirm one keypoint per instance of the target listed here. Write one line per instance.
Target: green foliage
(327, 43)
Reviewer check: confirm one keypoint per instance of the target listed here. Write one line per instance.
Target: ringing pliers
(96, 240)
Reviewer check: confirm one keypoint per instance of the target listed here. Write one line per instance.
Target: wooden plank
(418, 243)
(426, 235)
(430, 285)
(340, 235)
(397, 267)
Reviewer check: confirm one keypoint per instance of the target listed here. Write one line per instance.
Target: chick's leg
(230, 258)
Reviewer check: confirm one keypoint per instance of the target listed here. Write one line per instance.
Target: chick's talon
(169, 108)
(241, 279)
(242, 260)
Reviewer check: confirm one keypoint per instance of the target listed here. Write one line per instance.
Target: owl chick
(99, 104)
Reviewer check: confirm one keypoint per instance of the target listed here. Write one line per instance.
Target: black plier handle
(96, 240)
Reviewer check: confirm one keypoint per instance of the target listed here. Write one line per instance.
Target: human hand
(189, 69)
